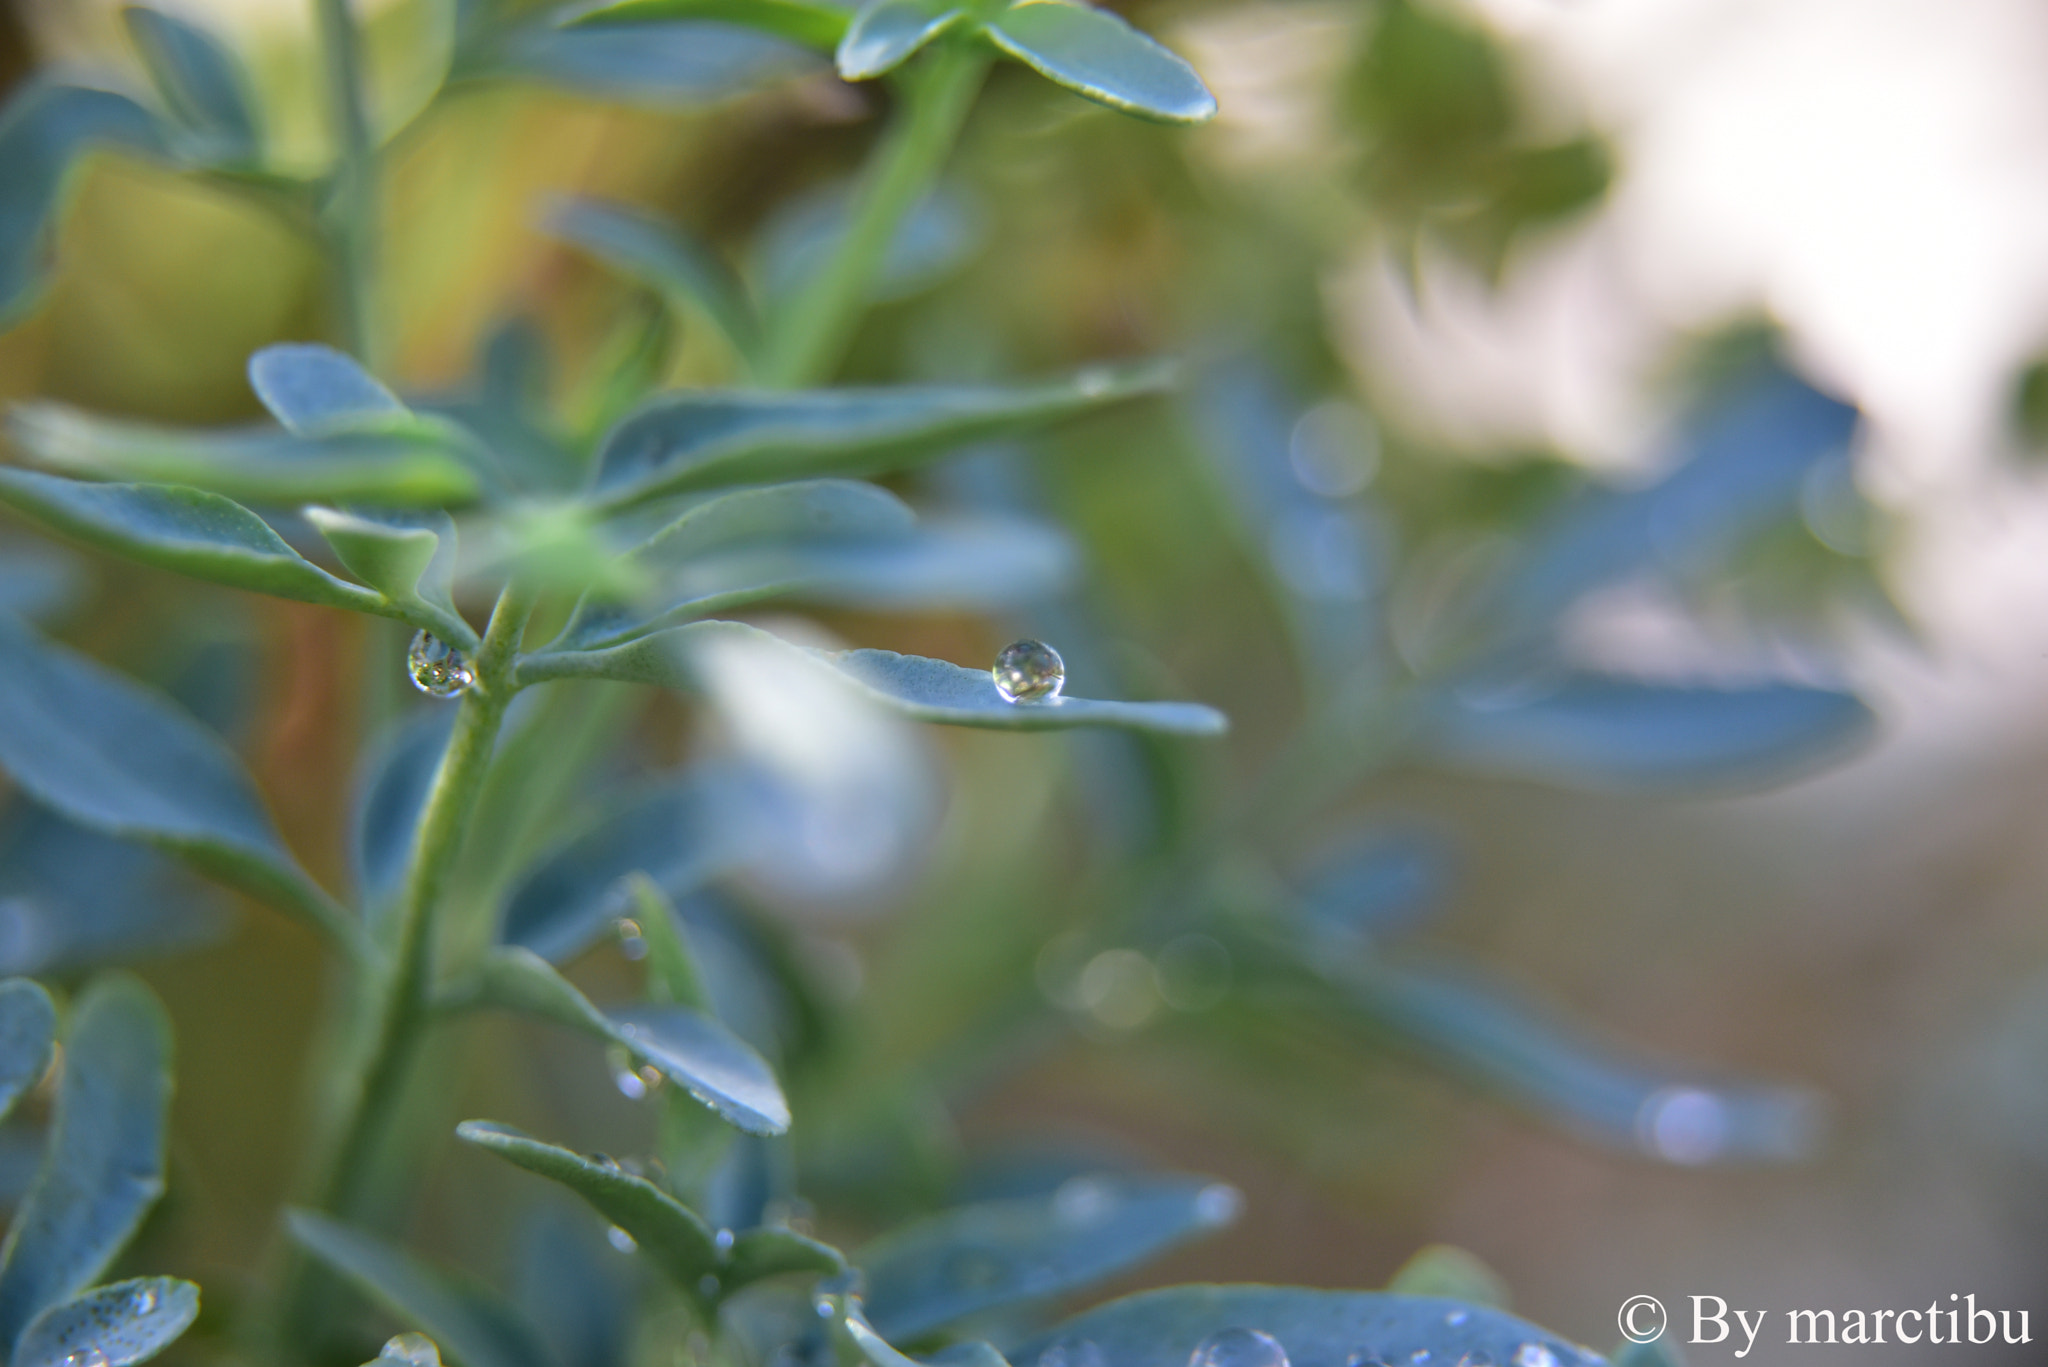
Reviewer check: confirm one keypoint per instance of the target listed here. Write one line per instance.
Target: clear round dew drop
(437, 668)
(1071, 1353)
(1534, 1355)
(1029, 671)
(1238, 1348)
(417, 1349)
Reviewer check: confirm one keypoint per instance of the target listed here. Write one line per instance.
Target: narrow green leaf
(472, 1326)
(677, 65)
(1162, 1328)
(418, 466)
(770, 1251)
(185, 530)
(667, 1231)
(44, 130)
(683, 270)
(200, 83)
(77, 899)
(1093, 52)
(315, 390)
(704, 439)
(28, 1028)
(975, 1259)
(409, 560)
(672, 974)
(928, 690)
(118, 1324)
(888, 33)
(104, 1167)
(815, 23)
(118, 758)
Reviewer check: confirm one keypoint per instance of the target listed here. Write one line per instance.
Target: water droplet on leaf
(1456, 1318)
(1083, 1200)
(1477, 1358)
(1029, 671)
(417, 1349)
(1684, 1125)
(85, 1357)
(632, 943)
(1534, 1355)
(1365, 1357)
(1238, 1348)
(724, 1239)
(437, 668)
(1218, 1204)
(621, 1240)
(1071, 1353)
(630, 1084)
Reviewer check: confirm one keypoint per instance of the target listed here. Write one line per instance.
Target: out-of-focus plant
(604, 546)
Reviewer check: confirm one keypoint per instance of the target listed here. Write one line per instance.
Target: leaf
(409, 560)
(815, 23)
(935, 237)
(199, 82)
(118, 758)
(928, 690)
(415, 467)
(969, 1261)
(389, 801)
(668, 1232)
(1376, 884)
(1450, 1273)
(769, 1251)
(39, 582)
(1095, 53)
(119, 1324)
(28, 1029)
(105, 1165)
(672, 972)
(1612, 735)
(472, 1326)
(701, 439)
(44, 130)
(568, 1283)
(1478, 1028)
(662, 65)
(887, 33)
(315, 391)
(1316, 1328)
(188, 531)
(681, 269)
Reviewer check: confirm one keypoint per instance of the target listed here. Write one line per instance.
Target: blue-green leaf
(44, 130)
(111, 755)
(39, 582)
(661, 255)
(969, 1261)
(703, 439)
(770, 1251)
(666, 1230)
(315, 390)
(937, 235)
(1316, 1328)
(188, 531)
(418, 466)
(104, 1167)
(472, 1326)
(569, 1284)
(1093, 52)
(122, 1323)
(28, 1027)
(200, 83)
(390, 797)
(815, 23)
(887, 33)
(409, 559)
(663, 65)
(1374, 885)
(1617, 735)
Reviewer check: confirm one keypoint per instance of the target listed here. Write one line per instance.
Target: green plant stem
(810, 336)
(349, 214)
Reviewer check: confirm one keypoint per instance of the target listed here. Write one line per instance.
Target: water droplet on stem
(437, 668)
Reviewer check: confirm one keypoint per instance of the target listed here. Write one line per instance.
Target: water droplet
(1095, 381)
(630, 1083)
(605, 1161)
(1418, 1357)
(1238, 1348)
(823, 1307)
(621, 1240)
(85, 1357)
(1083, 1200)
(1029, 671)
(143, 1301)
(416, 1349)
(1071, 1353)
(1218, 1204)
(1365, 1357)
(632, 943)
(1476, 1358)
(437, 668)
(1456, 1318)
(1535, 1355)
(1683, 1125)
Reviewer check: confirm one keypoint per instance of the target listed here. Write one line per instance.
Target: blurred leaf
(664, 65)
(471, 1325)
(28, 1030)
(187, 531)
(569, 1285)
(408, 559)
(1162, 1328)
(1093, 52)
(314, 391)
(1378, 883)
(887, 33)
(768, 1252)
(200, 83)
(702, 439)
(661, 255)
(815, 23)
(116, 1325)
(668, 1232)
(417, 467)
(1429, 89)
(1450, 1273)
(927, 690)
(969, 1353)
(116, 757)
(965, 1262)
(39, 582)
(104, 1167)
(934, 238)
(390, 797)
(1656, 1353)
(2030, 407)
(1601, 734)
(672, 972)
(44, 130)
